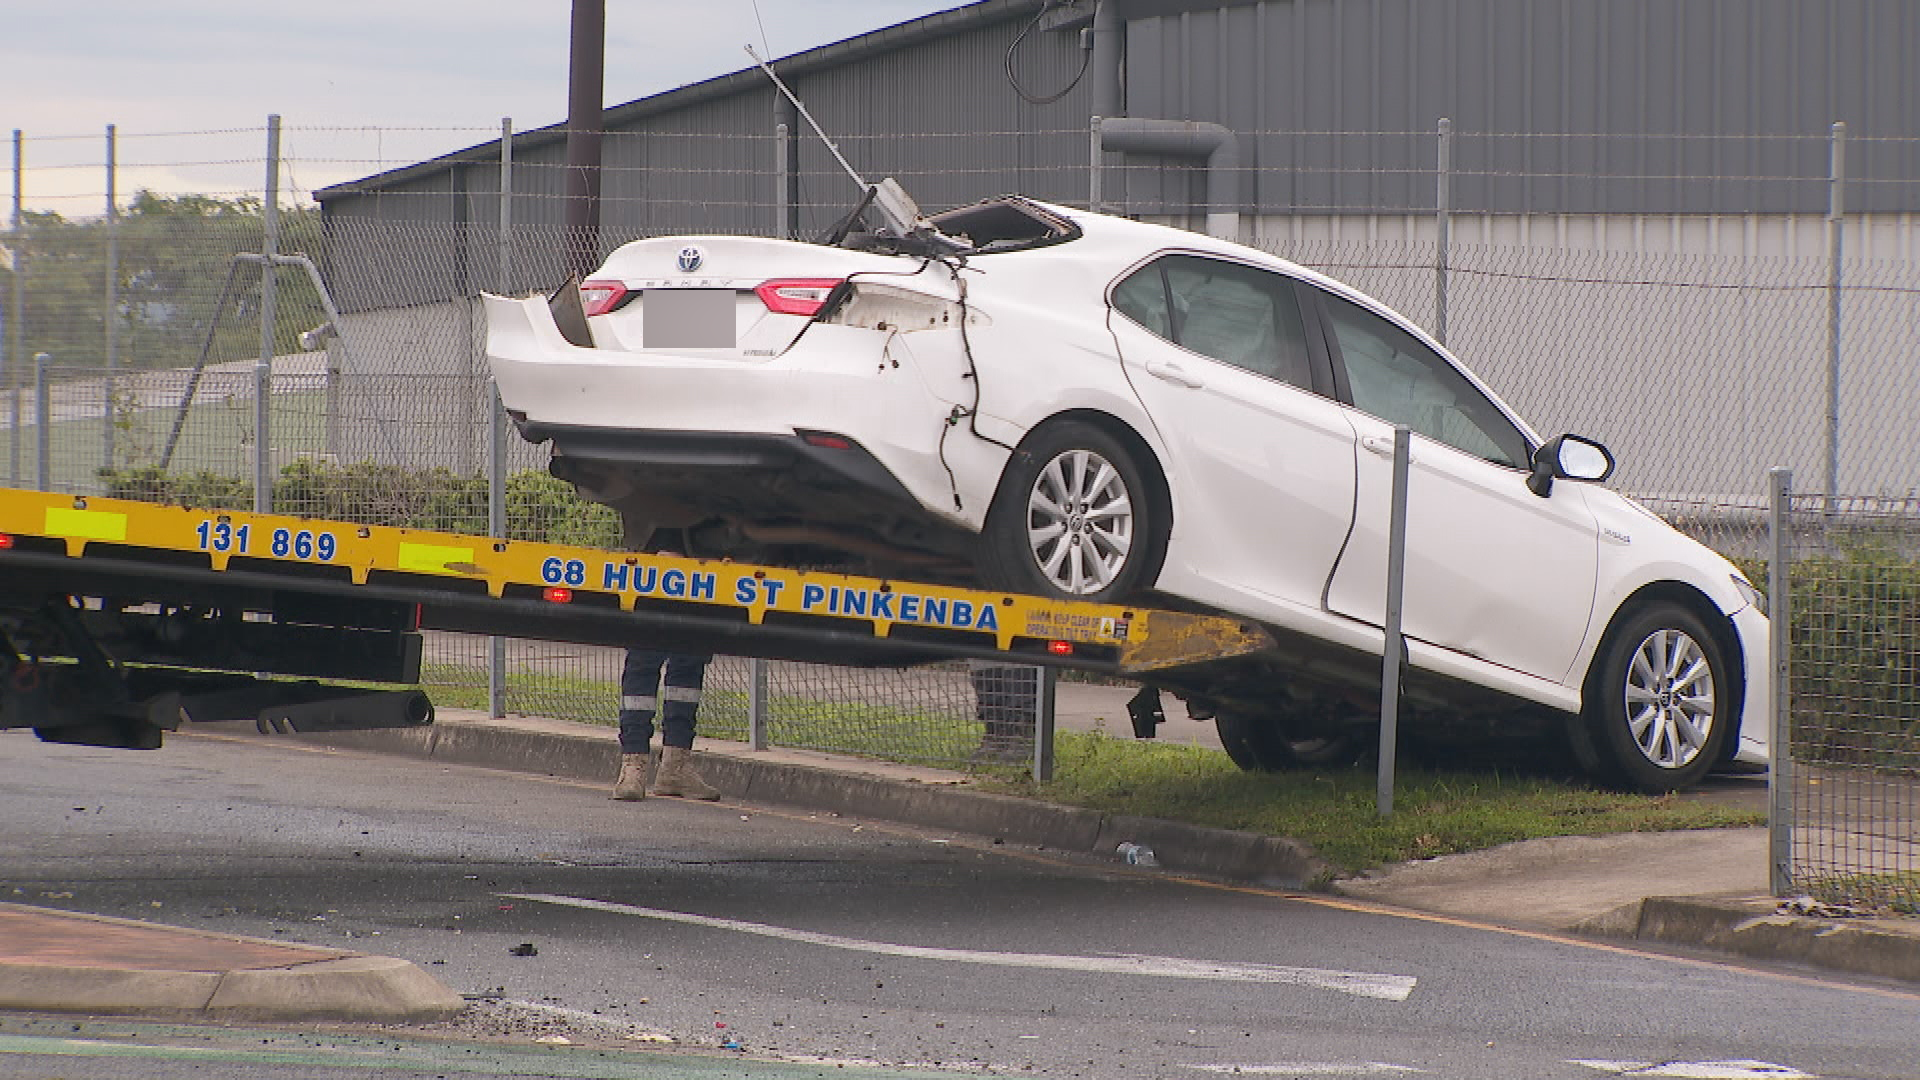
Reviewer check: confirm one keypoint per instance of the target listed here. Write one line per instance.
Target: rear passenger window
(1235, 314)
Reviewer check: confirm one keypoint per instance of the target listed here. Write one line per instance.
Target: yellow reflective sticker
(86, 524)
(434, 559)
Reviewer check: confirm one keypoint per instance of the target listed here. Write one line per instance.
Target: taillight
(600, 297)
(794, 296)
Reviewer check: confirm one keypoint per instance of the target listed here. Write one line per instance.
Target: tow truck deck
(120, 619)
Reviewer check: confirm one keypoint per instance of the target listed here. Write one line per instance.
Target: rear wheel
(1660, 711)
(1261, 742)
(1075, 517)
(1255, 743)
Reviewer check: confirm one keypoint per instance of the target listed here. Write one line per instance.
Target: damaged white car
(1048, 400)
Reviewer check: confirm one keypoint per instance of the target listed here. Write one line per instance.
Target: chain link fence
(1757, 324)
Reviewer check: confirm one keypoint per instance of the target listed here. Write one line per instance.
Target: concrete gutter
(930, 798)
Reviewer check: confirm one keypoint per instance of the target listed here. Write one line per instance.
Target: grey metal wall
(1650, 94)
(1627, 107)
(933, 109)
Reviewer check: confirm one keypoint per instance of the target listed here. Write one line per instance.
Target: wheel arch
(1149, 459)
(1716, 621)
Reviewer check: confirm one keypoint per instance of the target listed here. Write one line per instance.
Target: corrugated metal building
(1559, 107)
(1609, 134)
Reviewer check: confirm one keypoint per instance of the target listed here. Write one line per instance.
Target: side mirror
(1570, 457)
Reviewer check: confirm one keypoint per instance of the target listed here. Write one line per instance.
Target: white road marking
(1743, 1069)
(1358, 983)
(1313, 1068)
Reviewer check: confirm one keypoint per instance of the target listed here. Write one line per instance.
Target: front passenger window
(1396, 378)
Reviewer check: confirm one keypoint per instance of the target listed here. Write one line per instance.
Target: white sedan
(1049, 400)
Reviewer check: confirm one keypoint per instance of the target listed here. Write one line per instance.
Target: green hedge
(539, 507)
(1856, 657)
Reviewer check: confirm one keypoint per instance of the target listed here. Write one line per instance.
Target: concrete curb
(1749, 927)
(176, 972)
(1187, 849)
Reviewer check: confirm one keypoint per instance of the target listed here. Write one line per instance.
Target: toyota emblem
(690, 258)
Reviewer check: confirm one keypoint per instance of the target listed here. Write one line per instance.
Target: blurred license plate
(687, 318)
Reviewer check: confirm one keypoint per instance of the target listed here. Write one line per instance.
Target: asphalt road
(817, 941)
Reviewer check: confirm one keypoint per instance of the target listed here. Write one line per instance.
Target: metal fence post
(1393, 656)
(42, 429)
(263, 370)
(497, 433)
(1779, 738)
(1044, 725)
(1443, 229)
(1836, 228)
(1093, 167)
(111, 316)
(780, 169)
(17, 318)
(757, 704)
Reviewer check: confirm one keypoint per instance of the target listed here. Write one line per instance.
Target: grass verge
(1435, 812)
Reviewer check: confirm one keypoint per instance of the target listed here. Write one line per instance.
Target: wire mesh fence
(1686, 301)
(1853, 773)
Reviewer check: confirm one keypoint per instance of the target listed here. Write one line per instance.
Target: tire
(1255, 743)
(1075, 518)
(1259, 742)
(1658, 713)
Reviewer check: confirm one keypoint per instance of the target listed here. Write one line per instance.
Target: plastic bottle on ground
(1136, 854)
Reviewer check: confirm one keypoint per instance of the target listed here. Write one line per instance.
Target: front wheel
(1661, 706)
(1074, 518)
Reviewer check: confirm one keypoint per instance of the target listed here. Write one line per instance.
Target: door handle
(1173, 373)
(1381, 446)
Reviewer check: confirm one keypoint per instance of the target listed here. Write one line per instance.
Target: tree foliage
(174, 256)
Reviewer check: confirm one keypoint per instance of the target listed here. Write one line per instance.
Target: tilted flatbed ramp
(121, 616)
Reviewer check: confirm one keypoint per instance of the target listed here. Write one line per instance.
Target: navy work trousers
(675, 698)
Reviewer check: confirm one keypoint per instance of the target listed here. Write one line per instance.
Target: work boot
(632, 784)
(676, 776)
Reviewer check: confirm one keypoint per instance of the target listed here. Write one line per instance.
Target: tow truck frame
(119, 620)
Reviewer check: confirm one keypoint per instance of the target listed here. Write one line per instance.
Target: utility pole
(586, 76)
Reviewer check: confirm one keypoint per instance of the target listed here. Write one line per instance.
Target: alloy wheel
(1080, 521)
(1670, 698)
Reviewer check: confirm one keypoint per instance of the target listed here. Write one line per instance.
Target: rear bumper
(778, 468)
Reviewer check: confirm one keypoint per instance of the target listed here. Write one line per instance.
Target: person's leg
(679, 708)
(639, 691)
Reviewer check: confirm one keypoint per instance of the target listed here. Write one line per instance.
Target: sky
(360, 85)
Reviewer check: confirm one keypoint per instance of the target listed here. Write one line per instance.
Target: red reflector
(1060, 648)
(558, 596)
(6, 542)
(600, 297)
(828, 442)
(794, 296)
